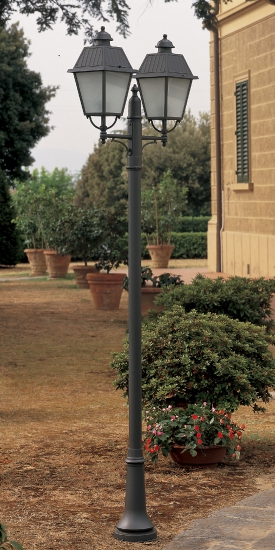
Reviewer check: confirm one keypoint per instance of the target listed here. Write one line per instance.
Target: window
(242, 132)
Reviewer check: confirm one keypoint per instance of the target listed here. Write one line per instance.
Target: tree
(23, 114)
(187, 155)
(9, 237)
(101, 182)
(76, 13)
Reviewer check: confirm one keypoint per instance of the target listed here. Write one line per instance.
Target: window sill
(242, 186)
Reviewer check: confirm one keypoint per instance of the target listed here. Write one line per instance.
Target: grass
(64, 430)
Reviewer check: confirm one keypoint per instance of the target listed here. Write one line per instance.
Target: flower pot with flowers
(151, 286)
(198, 435)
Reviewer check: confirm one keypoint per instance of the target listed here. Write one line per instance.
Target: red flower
(198, 435)
(220, 435)
(197, 428)
(199, 441)
(151, 451)
(238, 447)
(195, 416)
(156, 448)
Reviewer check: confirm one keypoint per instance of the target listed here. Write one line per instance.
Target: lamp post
(103, 74)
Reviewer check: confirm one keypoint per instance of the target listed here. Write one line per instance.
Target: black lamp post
(103, 74)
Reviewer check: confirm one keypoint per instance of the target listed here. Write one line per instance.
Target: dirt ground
(64, 430)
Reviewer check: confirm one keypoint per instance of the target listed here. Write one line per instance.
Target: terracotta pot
(106, 289)
(160, 254)
(148, 296)
(80, 272)
(57, 264)
(209, 457)
(37, 261)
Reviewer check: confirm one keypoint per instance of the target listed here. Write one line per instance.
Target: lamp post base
(136, 536)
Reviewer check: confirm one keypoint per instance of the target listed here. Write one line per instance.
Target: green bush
(189, 224)
(193, 357)
(187, 245)
(248, 300)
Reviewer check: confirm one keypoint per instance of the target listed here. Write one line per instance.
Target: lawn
(65, 430)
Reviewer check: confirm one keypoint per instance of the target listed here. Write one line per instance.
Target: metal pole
(218, 147)
(135, 525)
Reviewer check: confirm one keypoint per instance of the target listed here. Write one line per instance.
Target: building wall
(247, 51)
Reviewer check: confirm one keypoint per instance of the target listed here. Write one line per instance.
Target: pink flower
(173, 417)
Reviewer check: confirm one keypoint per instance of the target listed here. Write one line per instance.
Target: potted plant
(198, 435)
(41, 202)
(151, 286)
(56, 227)
(27, 204)
(160, 207)
(106, 288)
(190, 358)
(84, 240)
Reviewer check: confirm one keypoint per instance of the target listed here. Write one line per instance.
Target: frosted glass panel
(153, 95)
(116, 89)
(90, 85)
(177, 92)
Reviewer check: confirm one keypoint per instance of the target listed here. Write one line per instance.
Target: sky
(72, 138)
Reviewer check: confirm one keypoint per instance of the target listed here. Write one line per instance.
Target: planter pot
(148, 296)
(106, 289)
(37, 261)
(80, 272)
(160, 254)
(57, 264)
(209, 457)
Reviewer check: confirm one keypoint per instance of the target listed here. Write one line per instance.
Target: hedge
(189, 224)
(187, 245)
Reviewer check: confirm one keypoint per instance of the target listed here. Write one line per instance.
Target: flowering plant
(196, 426)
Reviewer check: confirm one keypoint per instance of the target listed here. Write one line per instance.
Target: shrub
(195, 357)
(196, 224)
(248, 300)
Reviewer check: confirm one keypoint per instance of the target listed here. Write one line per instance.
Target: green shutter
(242, 132)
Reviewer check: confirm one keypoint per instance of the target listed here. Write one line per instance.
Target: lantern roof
(165, 63)
(102, 57)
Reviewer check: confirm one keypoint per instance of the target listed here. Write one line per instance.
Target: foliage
(101, 181)
(160, 207)
(195, 357)
(78, 14)
(40, 203)
(187, 155)
(9, 236)
(196, 426)
(157, 281)
(23, 116)
(75, 13)
(189, 224)
(248, 300)
(5, 543)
